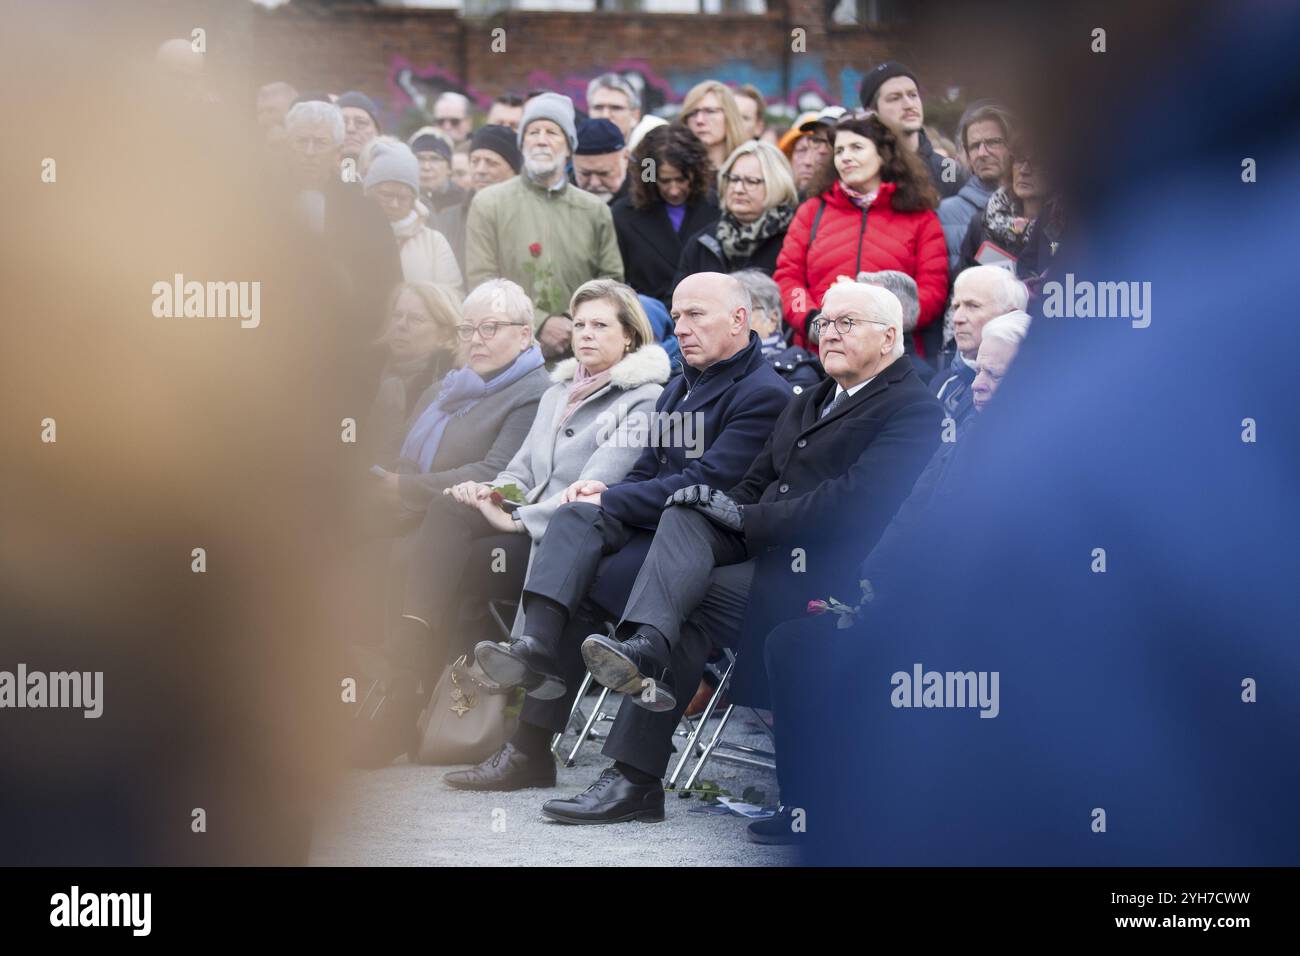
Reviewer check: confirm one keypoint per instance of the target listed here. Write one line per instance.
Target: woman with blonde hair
(758, 199)
(710, 112)
(586, 429)
(419, 343)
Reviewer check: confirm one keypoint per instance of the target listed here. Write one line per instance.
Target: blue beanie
(599, 136)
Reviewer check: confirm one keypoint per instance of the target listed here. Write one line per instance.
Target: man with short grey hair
(611, 97)
(836, 465)
(979, 294)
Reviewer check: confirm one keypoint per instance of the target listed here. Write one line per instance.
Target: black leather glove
(713, 504)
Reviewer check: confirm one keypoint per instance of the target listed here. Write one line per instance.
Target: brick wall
(349, 46)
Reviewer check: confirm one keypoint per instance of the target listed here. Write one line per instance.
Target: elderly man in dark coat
(710, 423)
(835, 468)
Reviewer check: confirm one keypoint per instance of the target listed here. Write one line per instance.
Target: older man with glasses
(451, 115)
(838, 462)
(611, 97)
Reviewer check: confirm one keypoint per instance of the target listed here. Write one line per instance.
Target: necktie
(835, 403)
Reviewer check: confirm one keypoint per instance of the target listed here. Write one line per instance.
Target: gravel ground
(404, 815)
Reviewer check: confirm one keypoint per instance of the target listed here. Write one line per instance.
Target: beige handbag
(468, 719)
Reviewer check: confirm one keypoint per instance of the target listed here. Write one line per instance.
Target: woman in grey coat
(590, 425)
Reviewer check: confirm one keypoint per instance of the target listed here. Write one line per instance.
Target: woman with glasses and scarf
(872, 209)
(469, 549)
(758, 201)
(1022, 224)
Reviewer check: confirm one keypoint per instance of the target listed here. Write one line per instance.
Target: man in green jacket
(537, 229)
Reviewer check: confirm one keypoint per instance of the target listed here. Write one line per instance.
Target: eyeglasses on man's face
(486, 330)
(992, 144)
(844, 324)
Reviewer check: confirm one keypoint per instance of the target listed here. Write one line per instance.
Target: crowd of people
(821, 312)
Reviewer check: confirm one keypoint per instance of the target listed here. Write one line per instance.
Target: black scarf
(739, 240)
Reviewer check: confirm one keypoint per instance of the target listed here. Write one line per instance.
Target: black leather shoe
(778, 830)
(634, 667)
(521, 662)
(613, 798)
(507, 769)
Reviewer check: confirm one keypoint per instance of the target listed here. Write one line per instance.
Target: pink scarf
(584, 385)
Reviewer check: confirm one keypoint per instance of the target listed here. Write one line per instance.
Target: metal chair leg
(576, 716)
(708, 751)
(582, 737)
(692, 740)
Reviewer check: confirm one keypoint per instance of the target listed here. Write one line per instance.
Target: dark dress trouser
(566, 565)
(694, 589)
(680, 574)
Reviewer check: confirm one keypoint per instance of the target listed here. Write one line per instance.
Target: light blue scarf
(461, 390)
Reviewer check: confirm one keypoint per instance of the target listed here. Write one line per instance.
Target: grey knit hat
(554, 107)
(393, 163)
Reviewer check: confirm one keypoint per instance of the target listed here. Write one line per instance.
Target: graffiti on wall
(810, 88)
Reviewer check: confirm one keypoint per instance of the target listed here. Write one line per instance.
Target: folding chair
(717, 747)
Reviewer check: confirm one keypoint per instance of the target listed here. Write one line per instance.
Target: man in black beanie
(493, 158)
(891, 90)
(600, 161)
(360, 122)
(433, 149)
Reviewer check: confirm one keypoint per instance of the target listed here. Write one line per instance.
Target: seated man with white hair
(978, 294)
(834, 469)
(802, 652)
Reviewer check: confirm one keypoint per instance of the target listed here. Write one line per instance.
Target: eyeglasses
(749, 182)
(486, 330)
(843, 324)
(709, 111)
(450, 120)
(992, 143)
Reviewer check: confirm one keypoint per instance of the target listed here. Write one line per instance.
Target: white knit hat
(393, 163)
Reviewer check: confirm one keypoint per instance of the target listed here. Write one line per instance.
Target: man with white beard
(538, 229)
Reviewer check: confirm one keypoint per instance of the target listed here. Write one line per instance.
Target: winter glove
(713, 504)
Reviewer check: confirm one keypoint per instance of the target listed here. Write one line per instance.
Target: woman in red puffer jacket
(872, 208)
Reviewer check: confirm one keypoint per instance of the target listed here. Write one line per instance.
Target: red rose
(818, 607)
(535, 250)
(496, 498)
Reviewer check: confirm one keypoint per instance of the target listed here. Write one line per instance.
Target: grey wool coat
(600, 442)
(474, 446)
(597, 443)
